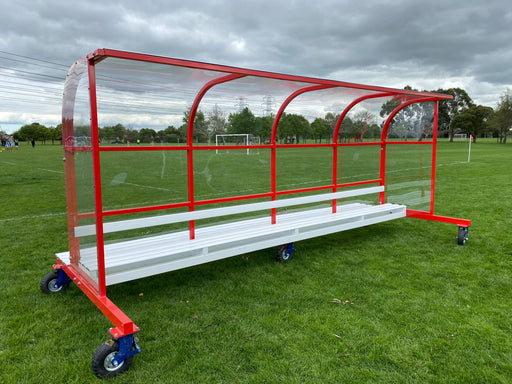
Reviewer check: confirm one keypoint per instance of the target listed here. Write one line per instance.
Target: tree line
(459, 115)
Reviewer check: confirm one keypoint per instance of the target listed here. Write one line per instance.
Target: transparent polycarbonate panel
(247, 105)
(414, 122)
(300, 168)
(82, 115)
(323, 108)
(84, 178)
(357, 164)
(221, 174)
(408, 175)
(228, 173)
(140, 95)
(134, 179)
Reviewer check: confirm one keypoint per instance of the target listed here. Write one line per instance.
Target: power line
(35, 59)
(31, 73)
(26, 62)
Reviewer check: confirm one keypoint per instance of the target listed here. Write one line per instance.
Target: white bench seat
(134, 259)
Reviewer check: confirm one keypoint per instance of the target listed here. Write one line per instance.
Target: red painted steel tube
(444, 219)
(143, 148)
(409, 142)
(126, 211)
(97, 179)
(233, 198)
(434, 158)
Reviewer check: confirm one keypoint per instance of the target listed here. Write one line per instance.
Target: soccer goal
(225, 141)
(460, 136)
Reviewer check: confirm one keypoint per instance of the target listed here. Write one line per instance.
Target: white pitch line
(50, 170)
(32, 217)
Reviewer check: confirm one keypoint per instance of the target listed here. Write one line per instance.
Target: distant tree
(347, 129)
(473, 120)
(263, 127)
(56, 133)
(43, 133)
(320, 128)
(216, 123)
(147, 135)
(27, 132)
(105, 134)
(169, 135)
(292, 127)
(242, 122)
(118, 132)
(448, 109)
(200, 125)
(331, 119)
(501, 122)
(131, 135)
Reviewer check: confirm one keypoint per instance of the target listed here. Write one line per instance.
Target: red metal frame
(97, 291)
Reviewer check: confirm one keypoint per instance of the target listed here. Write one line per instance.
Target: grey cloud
(410, 41)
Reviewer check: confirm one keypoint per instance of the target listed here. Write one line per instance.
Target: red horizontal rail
(126, 211)
(257, 146)
(87, 215)
(233, 198)
(409, 142)
(444, 219)
(144, 148)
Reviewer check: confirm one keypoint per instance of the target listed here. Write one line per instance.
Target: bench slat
(124, 225)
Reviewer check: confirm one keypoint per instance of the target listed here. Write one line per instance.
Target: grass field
(397, 302)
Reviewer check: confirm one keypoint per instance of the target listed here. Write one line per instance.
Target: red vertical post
(190, 171)
(334, 169)
(273, 186)
(382, 195)
(97, 178)
(434, 156)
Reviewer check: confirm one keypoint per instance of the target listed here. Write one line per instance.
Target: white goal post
(460, 136)
(223, 140)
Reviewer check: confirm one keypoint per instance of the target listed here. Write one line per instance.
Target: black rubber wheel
(282, 253)
(461, 236)
(102, 360)
(47, 284)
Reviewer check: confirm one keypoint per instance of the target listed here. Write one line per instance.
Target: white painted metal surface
(123, 225)
(134, 259)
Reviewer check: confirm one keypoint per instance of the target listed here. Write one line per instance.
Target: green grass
(418, 307)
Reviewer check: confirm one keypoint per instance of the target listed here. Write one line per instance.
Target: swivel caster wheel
(284, 252)
(462, 235)
(54, 282)
(103, 363)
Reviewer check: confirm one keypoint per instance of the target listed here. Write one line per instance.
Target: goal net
(460, 136)
(225, 141)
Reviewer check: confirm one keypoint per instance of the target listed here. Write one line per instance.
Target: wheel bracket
(290, 249)
(62, 279)
(127, 347)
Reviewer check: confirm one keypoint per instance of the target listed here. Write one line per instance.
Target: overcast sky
(425, 44)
